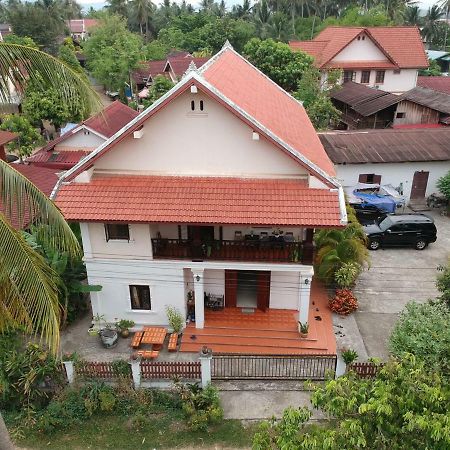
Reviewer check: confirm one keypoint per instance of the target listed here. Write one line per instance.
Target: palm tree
(445, 4)
(142, 10)
(430, 23)
(412, 15)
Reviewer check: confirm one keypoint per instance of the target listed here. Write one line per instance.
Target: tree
(443, 184)
(28, 138)
(423, 330)
(278, 61)
(118, 7)
(316, 99)
(112, 52)
(443, 285)
(445, 4)
(67, 55)
(431, 22)
(160, 86)
(142, 11)
(20, 40)
(432, 70)
(404, 407)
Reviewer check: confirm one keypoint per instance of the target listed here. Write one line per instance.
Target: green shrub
(443, 185)
(347, 274)
(175, 319)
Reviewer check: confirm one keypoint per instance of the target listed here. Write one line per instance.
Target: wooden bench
(173, 341)
(136, 342)
(147, 354)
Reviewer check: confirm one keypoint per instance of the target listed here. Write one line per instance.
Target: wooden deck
(274, 332)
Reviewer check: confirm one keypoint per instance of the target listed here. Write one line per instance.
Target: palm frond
(20, 64)
(23, 202)
(29, 283)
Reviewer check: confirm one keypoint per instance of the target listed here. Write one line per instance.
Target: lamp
(307, 281)
(197, 278)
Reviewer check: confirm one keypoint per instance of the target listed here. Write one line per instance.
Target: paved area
(396, 276)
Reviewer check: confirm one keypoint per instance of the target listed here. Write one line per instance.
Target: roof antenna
(227, 45)
(191, 68)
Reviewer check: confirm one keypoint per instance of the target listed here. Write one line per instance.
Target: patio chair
(147, 354)
(136, 342)
(173, 342)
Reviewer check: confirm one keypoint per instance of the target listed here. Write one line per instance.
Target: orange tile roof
(200, 200)
(402, 45)
(440, 84)
(270, 105)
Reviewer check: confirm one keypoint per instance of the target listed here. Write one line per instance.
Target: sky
(425, 4)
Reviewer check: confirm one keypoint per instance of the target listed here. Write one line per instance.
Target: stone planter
(125, 332)
(109, 338)
(93, 332)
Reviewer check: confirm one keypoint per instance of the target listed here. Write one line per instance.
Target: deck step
(244, 332)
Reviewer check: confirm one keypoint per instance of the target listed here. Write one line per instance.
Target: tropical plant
(337, 248)
(423, 330)
(344, 302)
(125, 324)
(304, 327)
(175, 319)
(443, 184)
(347, 274)
(349, 356)
(159, 87)
(431, 22)
(404, 406)
(443, 284)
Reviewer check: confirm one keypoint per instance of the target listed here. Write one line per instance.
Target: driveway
(397, 276)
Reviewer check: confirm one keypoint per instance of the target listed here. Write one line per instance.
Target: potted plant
(175, 319)
(349, 356)
(303, 329)
(95, 327)
(124, 326)
(109, 336)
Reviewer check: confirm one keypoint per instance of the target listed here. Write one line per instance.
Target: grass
(163, 430)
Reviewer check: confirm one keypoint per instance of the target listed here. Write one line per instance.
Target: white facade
(80, 138)
(396, 174)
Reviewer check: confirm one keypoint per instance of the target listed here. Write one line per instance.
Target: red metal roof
(402, 45)
(180, 65)
(440, 84)
(199, 200)
(148, 69)
(63, 160)
(266, 102)
(7, 136)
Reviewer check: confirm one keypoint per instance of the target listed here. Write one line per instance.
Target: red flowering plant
(344, 302)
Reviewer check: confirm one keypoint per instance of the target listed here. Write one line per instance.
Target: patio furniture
(136, 342)
(214, 302)
(173, 341)
(154, 336)
(147, 354)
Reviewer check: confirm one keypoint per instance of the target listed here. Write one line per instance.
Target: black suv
(367, 214)
(416, 230)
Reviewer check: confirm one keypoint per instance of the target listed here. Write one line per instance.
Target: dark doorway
(199, 237)
(231, 288)
(247, 289)
(419, 185)
(263, 291)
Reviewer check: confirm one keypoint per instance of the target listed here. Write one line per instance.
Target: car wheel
(374, 244)
(421, 244)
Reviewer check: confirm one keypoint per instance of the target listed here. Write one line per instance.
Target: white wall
(214, 281)
(213, 143)
(394, 173)
(79, 140)
(139, 246)
(284, 290)
(360, 50)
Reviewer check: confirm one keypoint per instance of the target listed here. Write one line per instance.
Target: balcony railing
(268, 251)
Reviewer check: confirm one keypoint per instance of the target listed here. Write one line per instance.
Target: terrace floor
(272, 332)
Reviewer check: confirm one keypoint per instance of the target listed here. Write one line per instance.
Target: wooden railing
(268, 251)
(167, 370)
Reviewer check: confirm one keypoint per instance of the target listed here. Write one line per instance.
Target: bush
(175, 319)
(344, 302)
(347, 274)
(424, 331)
(443, 185)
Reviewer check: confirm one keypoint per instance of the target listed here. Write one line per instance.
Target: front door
(263, 290)
(201, 238)
(231, 282)
(419, 185)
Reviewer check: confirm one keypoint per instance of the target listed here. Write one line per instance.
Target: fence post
(136, 372)
(205, 366)
(70, 371)
(341, 367)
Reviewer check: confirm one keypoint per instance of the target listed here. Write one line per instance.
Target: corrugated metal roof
(387, 146)
(438, 101)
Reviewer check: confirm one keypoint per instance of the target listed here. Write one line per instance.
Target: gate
(272, 367)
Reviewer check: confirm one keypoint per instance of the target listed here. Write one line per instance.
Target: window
(400, 115)
(365, 76)
(201, 105)
(140, 297)
(192, 105)
(369, 178)
(349, 75)
(379, 77)
(117, 231)
(397, 71)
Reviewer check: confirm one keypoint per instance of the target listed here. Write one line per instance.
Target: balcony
(276, 250)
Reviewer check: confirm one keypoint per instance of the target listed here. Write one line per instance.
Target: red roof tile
(402, 45)
(180, 65)
(266, 102)
(63, 160)
(440, 84)
(199, 200)
(148, 69)
(7, 136)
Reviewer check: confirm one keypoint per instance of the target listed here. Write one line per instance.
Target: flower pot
(303, 335)
(92, 332)
(109, 338)
(125, 332)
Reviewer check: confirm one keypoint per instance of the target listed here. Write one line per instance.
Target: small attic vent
(138, 133)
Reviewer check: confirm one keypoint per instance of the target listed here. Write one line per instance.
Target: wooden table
(154, 336)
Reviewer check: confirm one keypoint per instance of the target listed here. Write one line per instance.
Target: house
(68, 149)
(439, 84)
(422, 105)
(211, 196)
(382, 57)
(80, 29)
(411, 160)
(173, 67)
(364, 107)
(5, 29)
(441, 57)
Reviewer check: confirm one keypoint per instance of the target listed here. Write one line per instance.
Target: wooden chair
(173, 342)
(136, 342)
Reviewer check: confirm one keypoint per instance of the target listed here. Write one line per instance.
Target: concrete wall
(80, 140)
(360, 50)
(394, 173)
(177, 141)
(284, 290)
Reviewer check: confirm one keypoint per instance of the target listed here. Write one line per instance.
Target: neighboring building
(67, 150)
(423, 106)
(80, 29)
(439, 84)
(411, 160)
(214, 189)
(173, 68)
(5, 29)
(364, 107)
(441, 57)
(382, 57)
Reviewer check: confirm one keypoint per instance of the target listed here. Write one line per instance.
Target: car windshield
(385, 223)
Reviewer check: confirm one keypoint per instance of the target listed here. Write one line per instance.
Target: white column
(199, 292)
(70, 371)
(205, 366)
(87, 247)
(341, 367)
(304, 298)
(136, 372)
